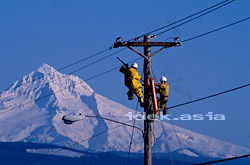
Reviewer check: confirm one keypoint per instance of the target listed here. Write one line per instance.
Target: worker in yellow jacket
(163, 90)
(132, 82)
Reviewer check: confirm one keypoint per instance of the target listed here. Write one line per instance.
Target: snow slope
(51, 95)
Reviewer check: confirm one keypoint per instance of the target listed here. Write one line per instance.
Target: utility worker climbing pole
(132, 81)
(163, 90)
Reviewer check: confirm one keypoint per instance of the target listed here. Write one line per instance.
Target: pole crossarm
(136, 51)
(158, 51)
(164, 44)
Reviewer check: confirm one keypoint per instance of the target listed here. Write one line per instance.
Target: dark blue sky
(62, 32)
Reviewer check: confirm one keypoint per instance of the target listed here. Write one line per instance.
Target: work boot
(135, 91)
(165, 110)
(131, 97)
(156, 115)
(140, 99)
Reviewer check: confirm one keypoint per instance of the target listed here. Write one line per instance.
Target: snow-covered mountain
(32, 112)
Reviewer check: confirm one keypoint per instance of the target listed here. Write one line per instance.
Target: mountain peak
(46, 69)
(58, 81)
(44, 81)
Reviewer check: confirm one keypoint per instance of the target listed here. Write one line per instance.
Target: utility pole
(147, 44)
(147, 104)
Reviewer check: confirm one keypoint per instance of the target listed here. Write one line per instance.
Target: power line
(207, 97)
(131, 140)
(217, 94)
(166, 140)
(170, 108)
(194, 18)
(124, 49)
(216, 29)
(163, 129)
(157, 142)
(133, 128)
(94, 77)
(103, 51)
(66, 75)
(43, 157)
(141, 35)
(182, 148)
(138, 59)
(11, 109)
(96, 54)
(165, 137)
(180, 20)
(210, 95)
(64, 67)
(161, 32)
(223, 160)
(203, 98)
(193, 101)
(138, 159)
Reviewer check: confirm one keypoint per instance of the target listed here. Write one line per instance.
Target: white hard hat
(134, 65)
(163, 78)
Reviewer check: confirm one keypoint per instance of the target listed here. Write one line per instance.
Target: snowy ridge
(41, 120)
(63, 152)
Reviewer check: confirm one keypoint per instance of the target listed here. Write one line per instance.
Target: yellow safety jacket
(131, 77)
(163, 89)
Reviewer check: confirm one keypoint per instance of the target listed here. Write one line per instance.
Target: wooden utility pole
(147, 104)
(147, 44)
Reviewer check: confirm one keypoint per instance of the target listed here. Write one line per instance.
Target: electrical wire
(134, 126)
(157, 34)
(173, 128)
(108, 49)
(217, 94)
(194, 18)
(215, 30)
(210, 95)
(166, 140)
(79, 61)
(183, 41)
(207, 97)
(125, 48)
(139, 155)
(64, 67)
(149, 32)
(182, 148)
(138, 59)
(158, 144)
(180, 20)
(64, 76)
(164, 133)
(198, 100)
(43, 157)
(131, 140)
(171, 107)
(223, 160)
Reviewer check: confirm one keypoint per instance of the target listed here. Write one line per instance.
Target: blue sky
(61, 32)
